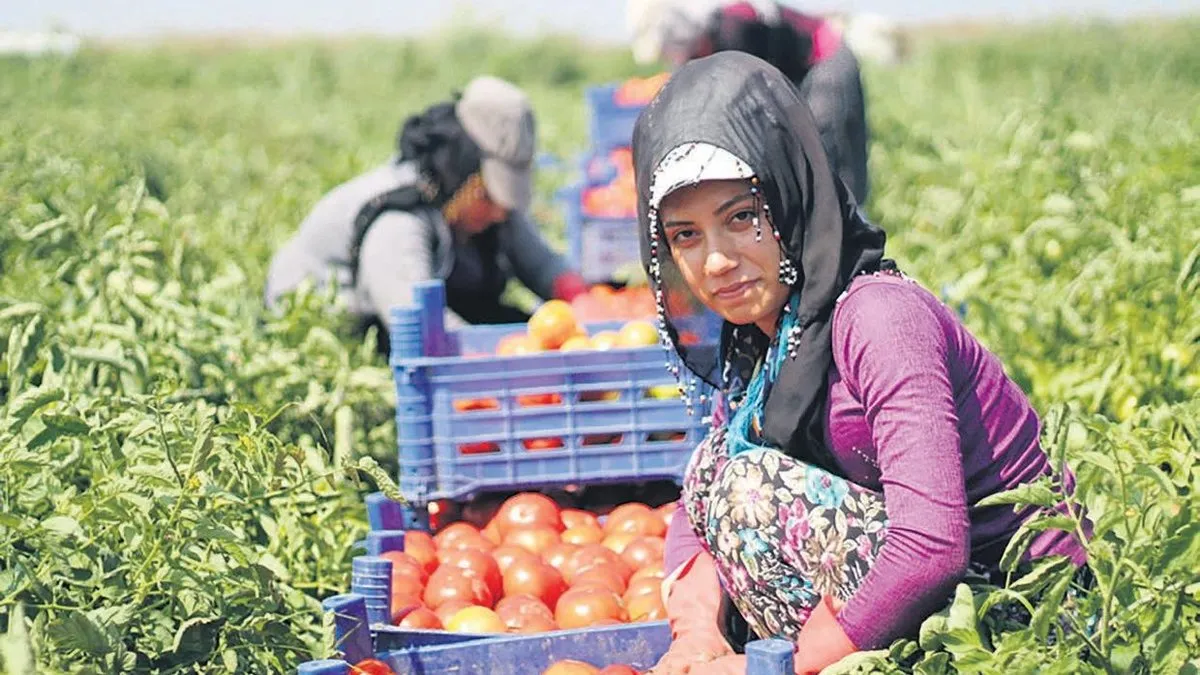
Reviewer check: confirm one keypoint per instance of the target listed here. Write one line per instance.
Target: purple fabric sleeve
(681, 543)
(893, 352)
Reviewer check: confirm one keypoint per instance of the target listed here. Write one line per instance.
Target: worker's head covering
(498, 117)
(664, 27)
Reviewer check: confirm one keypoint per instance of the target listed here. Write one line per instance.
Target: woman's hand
(693, 602)
(822, 642)
(731, 664)
(697, 663)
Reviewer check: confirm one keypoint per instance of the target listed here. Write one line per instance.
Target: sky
(599, 20)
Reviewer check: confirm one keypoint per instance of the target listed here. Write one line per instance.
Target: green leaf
(934, 664)
(153, 474)
(1101, 460)
(1183, 545)
(963, 612)
(903, 650)
(29, 402)
(861, 662)
(1036, 494)
(19, 310)
(932, 630)
(64, 526)
(1185, 282)
(1049, 606)
(1155, 474)
(1124, 656)
(1017, 545)
(76, 631)
(195, 639)
(10, 520)
(1045, 572)
(66, 424)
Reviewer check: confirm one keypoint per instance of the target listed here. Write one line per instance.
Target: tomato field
(182, 474)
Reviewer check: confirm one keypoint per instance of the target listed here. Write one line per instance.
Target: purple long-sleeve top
(919, 409)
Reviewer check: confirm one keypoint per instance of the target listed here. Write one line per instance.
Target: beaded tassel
(757, 207)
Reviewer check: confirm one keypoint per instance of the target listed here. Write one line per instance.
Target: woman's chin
(738, 316)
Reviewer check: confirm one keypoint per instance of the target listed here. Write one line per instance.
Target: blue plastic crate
(414, 652)
(602, 249)
(611, 124)
(596, 404)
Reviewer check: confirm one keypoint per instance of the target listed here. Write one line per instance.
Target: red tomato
(640, 587)
(644, 523)
(492, 533)
(528, 509)
(571, 667)
(506, 555)
(651, 571)
(534, 578)
(532, 539)
(617, 541)
(480, 448)
(536, 444)
(474, 541)
(525, 614)
(646, 608)
(539, 399)
(576, 518)
(557, 555)
(587, 606)
(371, 667)
(453, 532)
(451, 583)
(475, 620)
(593, 555)
(616, 518)
(404, 565)
(643, 551)
(468, 404)
(406, 595)
(422, 548)
(604, 576)
(476, 564)
(667, 512)
(422, 618)
(583, 534)
(449, 608)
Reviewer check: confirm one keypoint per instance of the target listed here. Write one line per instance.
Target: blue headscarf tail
(745, 423)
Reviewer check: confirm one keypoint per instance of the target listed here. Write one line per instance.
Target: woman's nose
(718, 263)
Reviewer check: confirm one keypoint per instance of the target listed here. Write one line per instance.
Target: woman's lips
(734, 291)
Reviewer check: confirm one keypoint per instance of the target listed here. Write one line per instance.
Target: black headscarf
(446, 157)
(742, 104)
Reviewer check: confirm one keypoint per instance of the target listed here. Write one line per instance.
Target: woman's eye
(743, 218)
(682, 237)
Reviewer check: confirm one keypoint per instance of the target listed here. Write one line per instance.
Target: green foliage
(180, 472)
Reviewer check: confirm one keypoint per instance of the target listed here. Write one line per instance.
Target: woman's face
(471, 210)
(709, 228)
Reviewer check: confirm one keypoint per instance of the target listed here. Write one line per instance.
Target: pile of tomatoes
(558, 326)
(534, 567)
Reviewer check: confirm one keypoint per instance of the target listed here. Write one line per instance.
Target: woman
(450, 206)
(859, 422)
(808, 49)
